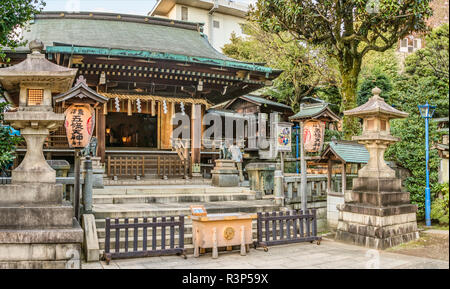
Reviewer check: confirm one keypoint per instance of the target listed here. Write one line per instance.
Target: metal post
(427, 189)
(88, 184)
(427, 111)
(297, 155)
(77, 185)
(303, 170)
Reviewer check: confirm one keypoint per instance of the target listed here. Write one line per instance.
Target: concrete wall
(218, 37)
(333, 199)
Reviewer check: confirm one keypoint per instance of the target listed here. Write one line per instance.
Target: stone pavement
(328, 255)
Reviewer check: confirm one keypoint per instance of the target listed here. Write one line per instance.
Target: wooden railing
(285, 228)
(163, 166)
(140, 247)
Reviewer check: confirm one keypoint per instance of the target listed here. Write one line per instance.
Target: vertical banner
(284, 137)
(313, 135)
(79, 124)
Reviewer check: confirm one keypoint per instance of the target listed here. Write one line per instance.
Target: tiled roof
(314, 110)
(262, 100)
(128, 35)
(350, 152)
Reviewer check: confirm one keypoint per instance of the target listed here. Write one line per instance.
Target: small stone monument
(225, 173)
(37, 229)
(378, 214)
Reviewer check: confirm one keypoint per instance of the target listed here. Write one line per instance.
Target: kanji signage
(313, 135)
(79, 124)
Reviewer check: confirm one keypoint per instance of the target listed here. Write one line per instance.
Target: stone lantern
(36, 79)
(378, 213)
(376, 135)
(37, 227)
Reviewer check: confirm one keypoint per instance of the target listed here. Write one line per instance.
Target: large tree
(13, 14)
(347, 29)
(305, 68)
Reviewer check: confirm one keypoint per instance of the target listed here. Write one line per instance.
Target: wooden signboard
(198, 210)
(79, 124)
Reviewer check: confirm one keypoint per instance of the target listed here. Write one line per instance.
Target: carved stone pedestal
(225, 174)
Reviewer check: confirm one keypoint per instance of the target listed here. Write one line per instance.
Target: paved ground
(329, 255)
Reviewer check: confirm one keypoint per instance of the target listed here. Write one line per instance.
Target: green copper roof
(128, 35)
(313, 111)
(350, 152)
(262, 100)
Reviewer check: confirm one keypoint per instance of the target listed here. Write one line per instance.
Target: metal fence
(140, 246)
(279, 228)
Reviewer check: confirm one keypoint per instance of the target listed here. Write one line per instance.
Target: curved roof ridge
(118, 17)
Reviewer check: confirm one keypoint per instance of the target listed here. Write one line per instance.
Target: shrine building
(148, 69)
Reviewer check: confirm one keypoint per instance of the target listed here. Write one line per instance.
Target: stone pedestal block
(380, 217)
(225, 174)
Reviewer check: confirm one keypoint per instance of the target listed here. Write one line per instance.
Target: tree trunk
(349, 68)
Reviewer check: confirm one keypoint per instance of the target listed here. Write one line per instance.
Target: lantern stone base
(378, 215)
(37, 229)
(225, 174)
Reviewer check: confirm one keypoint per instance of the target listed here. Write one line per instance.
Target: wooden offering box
(222, 230)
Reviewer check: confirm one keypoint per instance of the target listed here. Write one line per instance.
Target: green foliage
(378, 80)
(415, 87)
(433, 59)
(346, 30)
(13, 14)
(439, 207)
(305, 67)
(7, 142)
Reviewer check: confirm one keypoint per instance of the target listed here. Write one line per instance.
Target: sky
(138, 7)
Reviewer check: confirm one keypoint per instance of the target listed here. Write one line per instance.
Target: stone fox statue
(91, 149)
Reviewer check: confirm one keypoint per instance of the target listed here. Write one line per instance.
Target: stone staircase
(174, 200)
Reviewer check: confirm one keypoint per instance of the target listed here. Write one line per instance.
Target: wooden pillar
(329, 176)
(344, 178)
(101, 131)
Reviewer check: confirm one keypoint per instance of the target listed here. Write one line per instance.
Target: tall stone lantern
(37, 228)
(378, 214)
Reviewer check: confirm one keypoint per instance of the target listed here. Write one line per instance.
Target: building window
(417, 44)
(184, 13)
(216, 24)
(35, 97)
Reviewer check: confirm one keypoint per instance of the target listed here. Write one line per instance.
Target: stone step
(173, 190)
(102, 211)
(171, 198)
(36, 216)
(154, 180)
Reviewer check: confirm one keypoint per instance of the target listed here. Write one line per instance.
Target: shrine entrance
(137, 130)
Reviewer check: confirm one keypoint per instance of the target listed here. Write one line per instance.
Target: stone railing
(316, 187)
